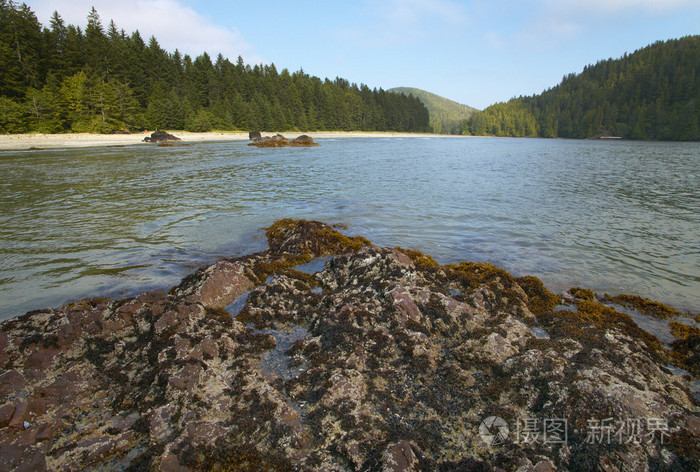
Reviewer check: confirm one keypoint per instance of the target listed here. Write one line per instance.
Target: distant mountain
(446, 116)
(653, 93)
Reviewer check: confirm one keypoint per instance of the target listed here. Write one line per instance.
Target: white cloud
(174, 25)
(557, 21)
(410, 13)
(612, 6)
(397, 22)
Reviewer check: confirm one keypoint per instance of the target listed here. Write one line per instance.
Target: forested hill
(446, 116)
(653, 93)
(63, 79)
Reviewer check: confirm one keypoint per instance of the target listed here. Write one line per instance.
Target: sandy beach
(38, 141)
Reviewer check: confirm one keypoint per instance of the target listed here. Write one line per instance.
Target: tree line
(63, 79)
(653, 93)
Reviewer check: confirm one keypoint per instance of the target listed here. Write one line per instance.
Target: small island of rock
(160, 137)
(280, 141)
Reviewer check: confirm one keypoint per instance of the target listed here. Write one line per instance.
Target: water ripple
(613, 216)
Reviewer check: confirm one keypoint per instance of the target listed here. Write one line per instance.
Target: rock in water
(270, 141)
(254, 135)
(160, 137)
(397, 363)
(280, 141)
(303, 140)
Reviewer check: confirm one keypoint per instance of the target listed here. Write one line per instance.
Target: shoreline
(41, 141)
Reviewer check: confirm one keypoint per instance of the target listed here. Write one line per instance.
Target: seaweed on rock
(396, 361)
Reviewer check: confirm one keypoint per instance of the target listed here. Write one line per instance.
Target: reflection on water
(620, 217)
(276, 361)
(660, 327)
(313, 266)
(539, 332)
(237, 305)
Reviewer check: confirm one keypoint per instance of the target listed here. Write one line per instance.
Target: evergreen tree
(61, 79)
(21, 50)
(650, 94)
(96, 46)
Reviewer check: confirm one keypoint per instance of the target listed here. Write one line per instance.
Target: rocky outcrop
(380, 360)
(303, 140)
(161, 137)
(280, 141)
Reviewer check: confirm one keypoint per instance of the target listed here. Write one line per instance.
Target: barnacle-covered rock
(378, 359)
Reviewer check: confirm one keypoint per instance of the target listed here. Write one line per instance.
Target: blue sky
(475, 52)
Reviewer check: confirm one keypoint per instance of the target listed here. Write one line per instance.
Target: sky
(475, 52)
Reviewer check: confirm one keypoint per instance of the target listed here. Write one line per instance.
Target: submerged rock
(397, 363)
(160, 137)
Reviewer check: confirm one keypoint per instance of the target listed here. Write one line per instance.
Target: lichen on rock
(394, 362)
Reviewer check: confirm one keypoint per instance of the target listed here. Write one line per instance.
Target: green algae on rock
(394, 363)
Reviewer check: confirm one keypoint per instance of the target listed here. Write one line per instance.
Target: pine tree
(21, 50)
(61, 79)
(96, 46)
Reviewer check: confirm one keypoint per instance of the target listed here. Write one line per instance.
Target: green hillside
(653, 93)
(446, 116)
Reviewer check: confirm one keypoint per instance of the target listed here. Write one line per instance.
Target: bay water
(613, 216)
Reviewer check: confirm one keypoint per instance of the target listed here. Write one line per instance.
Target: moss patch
(220, 315)
(589, 323)
(682, 331)
(582, 293)
(262, 269)
(473, 274)
(540, 299)
(310, 237)
(686, 349)
(420, 260)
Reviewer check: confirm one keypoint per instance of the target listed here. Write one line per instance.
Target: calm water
(621, 217)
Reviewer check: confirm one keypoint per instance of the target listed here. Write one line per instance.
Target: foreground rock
(280, 141)
(161, 137)
(383, 360)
